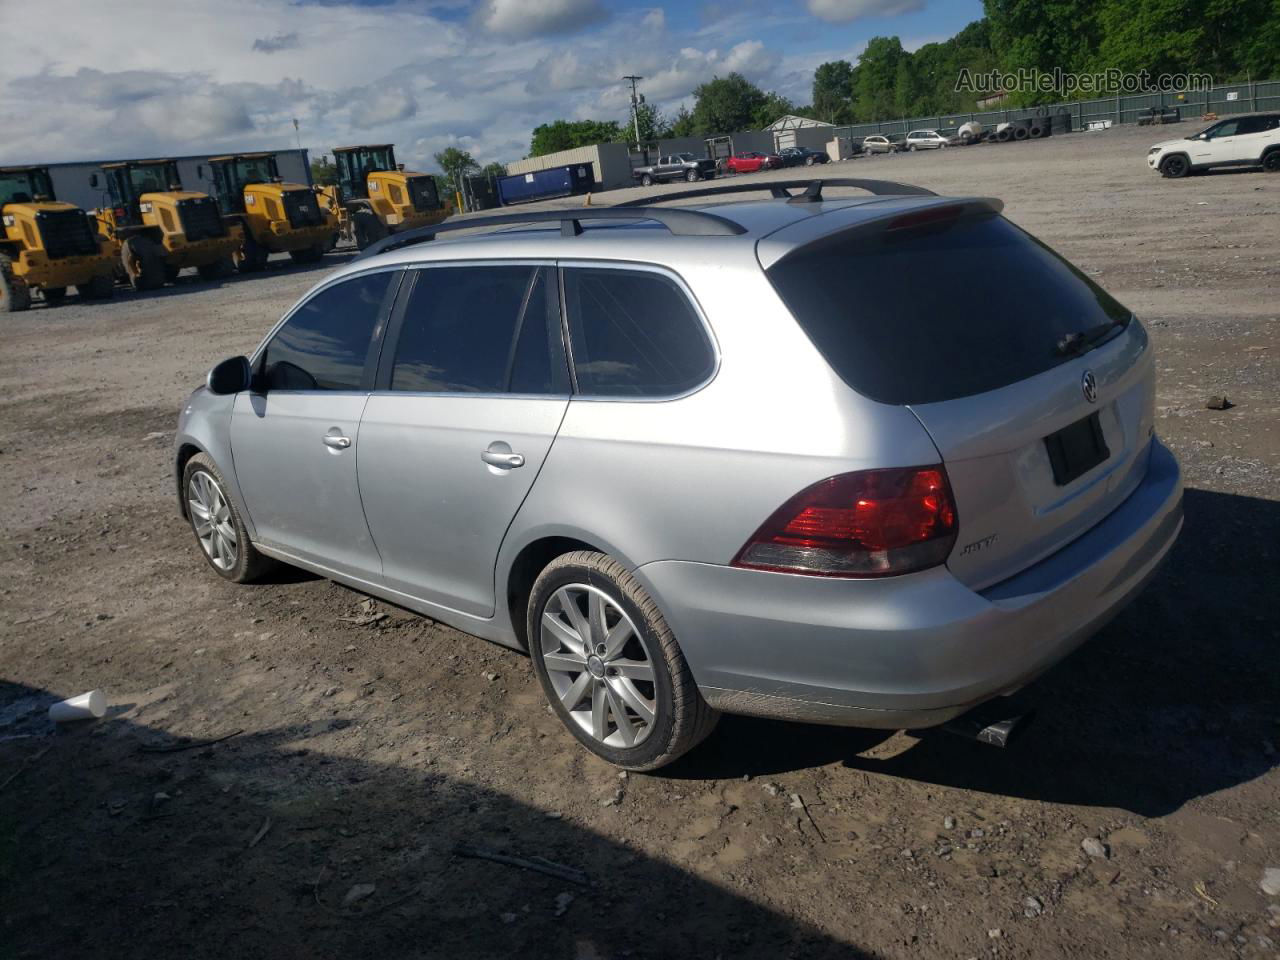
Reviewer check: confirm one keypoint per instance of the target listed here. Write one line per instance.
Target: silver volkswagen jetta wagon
(761, 457)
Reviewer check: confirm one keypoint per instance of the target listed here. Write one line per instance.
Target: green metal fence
(1223, 99)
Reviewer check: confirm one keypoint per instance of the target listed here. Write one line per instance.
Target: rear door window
(947, 309)
(634, 333)
(325, 343)
(481, 329)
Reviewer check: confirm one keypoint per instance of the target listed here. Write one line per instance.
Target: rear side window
(633, 334)
(929, 313)
(483, 329)
(324, 344)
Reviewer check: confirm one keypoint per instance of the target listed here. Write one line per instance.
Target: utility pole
(297, 135)
(636, 100)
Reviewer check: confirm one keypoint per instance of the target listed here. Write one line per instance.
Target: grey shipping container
(545, 184)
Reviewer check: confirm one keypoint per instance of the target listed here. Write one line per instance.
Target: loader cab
(356, 163)
(128, 181)
(232, 174)
(25, 185)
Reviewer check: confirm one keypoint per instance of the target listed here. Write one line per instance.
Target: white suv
(1243, 141)
(926, 140)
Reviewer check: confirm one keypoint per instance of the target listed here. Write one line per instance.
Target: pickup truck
(678, 166)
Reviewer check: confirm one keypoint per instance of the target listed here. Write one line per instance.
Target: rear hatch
(1035, 385)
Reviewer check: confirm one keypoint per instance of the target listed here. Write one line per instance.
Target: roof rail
(682, 223)
(781, 190)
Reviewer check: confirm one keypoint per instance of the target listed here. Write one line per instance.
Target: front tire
(101, 287)
(215, 521)
(646, 181)
(15, 295)
(144, 263)
(1175, 167)
(609, 665)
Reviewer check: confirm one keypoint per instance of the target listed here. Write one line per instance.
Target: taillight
(873, 523)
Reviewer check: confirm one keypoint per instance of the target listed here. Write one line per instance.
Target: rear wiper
(1080, 341)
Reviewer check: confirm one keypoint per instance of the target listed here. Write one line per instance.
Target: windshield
(256, 169)
(949, 309)
(154, 177)
(23, 186)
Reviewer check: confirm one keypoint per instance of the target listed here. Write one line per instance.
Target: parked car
(801, 156)
(878, 144)
(1248, 140)
(554, 437)
(678, 166)
(926, 140)
(752, 161)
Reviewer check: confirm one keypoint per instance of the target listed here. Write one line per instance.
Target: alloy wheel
(598, 665)
(211, 519)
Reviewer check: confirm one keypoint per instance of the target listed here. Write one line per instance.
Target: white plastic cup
(87, 706)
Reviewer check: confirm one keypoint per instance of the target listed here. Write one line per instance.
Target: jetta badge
(1089, 386)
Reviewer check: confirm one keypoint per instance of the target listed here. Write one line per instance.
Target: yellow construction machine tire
(144, 263)
(368, 228)
(308, 255)
(217, 270)
(253, 255)
(171, 272)
(54, 296)
(15, 295)
(101, 287)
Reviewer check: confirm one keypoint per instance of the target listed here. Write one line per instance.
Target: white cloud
(846, 11)
(395, 72)
(529, 18)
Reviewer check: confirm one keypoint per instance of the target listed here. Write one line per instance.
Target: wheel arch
(185, 452)
(529, 561)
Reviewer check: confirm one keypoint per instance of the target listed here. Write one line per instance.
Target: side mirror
(93, 180)
(230, 376)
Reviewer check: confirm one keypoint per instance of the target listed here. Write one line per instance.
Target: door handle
(338, 443)
(508, 461)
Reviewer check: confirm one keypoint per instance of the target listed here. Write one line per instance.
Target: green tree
(653, 125)
(494, 169)
(682, 125)
(726, 104)
(323, 172)
(568, 134)
(832, 89)
(774, 106)
(875, 78)
(456, 164)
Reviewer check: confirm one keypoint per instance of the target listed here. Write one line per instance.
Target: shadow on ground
(1175, 699)
(258, 846)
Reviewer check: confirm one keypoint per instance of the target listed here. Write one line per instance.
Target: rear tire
(309, 255)
(1271, 162)
(55, 296)
(217, 270)
(635, 705)
(1175, 167)
(692, 176)
(368, 228)
(15, 295)
(253, 256)
(144, 263)
(220, 533)
(101, 287)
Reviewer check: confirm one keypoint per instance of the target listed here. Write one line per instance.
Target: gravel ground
(1135, 818)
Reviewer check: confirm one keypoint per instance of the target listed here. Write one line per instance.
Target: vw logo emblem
(1089, 386)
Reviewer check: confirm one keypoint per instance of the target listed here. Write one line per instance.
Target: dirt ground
(362, 754)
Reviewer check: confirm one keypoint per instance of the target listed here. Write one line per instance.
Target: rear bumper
(911, 651)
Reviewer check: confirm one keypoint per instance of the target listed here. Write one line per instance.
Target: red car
(752, 161)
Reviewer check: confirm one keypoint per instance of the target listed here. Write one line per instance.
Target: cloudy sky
(147, 77)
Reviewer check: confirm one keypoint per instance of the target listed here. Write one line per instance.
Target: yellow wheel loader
(374, 197)
(277, 217)
(47, 246)
(162, 228)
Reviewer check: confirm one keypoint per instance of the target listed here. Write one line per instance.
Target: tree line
(1227, 39)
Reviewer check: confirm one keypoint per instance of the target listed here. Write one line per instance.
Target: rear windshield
(928, 313)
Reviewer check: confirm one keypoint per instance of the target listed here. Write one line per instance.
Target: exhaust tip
(995, 723)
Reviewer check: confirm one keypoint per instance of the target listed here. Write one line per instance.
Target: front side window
(633, 334)
(324, 344)
(482, 329)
